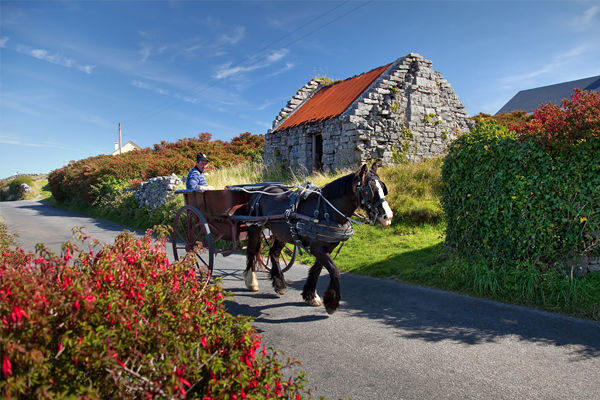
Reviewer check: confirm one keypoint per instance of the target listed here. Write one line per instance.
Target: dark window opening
(317, 153)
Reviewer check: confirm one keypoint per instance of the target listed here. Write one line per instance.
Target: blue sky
(70, 71)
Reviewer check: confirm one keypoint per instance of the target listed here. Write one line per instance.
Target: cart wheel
(191, 238)
(288, 254)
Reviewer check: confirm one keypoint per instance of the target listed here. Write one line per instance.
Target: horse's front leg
(309, 292)
(279, 283)
(332, 295)
(254, 241)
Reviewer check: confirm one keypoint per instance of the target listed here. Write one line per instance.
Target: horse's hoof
(251, 281)
(280, 292)
(315, 301)
(332, 302)
(330, 310)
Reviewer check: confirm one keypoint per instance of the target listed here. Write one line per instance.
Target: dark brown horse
(315, 220)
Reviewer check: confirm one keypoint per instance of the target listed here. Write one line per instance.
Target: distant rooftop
(528, 100)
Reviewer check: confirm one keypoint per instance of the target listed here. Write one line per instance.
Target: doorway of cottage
(317, 152)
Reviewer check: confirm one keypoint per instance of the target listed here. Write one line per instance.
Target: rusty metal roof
(331, 101)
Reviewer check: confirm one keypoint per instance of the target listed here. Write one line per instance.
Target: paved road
(390, 340)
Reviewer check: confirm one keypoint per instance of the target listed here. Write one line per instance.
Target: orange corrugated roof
(333, 100)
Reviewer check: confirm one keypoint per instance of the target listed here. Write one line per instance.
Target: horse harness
(316, 227)
(366, 195)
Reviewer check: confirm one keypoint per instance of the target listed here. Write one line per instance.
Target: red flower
(17, 314)
(6, 366)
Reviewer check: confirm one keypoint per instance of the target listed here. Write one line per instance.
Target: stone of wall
(410, 112)
(154, 193)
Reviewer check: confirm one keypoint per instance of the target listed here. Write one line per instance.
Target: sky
(71, 71)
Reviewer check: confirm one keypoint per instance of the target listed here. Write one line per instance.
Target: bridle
(365, 196)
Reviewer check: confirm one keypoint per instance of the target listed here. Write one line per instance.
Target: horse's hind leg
(252, 250)
(279, 283)
(309, 292)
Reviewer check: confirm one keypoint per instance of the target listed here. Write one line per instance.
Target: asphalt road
(388, 340)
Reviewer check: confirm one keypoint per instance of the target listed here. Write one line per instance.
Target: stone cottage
(401, 111)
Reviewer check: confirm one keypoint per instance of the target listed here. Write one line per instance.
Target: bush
(558, 127)
(511, 201)
(82, 181)
(10, 188)
(506, 120)
(124, 323)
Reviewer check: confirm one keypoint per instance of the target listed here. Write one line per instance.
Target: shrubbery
(558, 127)
(506, 120)
(10, 188)
(124, 323)
(82, 181)
(530, 196)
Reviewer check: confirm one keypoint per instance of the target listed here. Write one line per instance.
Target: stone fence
(154, 193)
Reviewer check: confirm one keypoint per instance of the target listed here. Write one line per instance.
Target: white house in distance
(129, 146)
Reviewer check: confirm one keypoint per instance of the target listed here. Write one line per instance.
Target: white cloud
(147, 86)
(288, 66)
(187, 99)
(45, 55)
(86, 68)
(586, 20)
(17, 141)
(227, 70)
(556, 64)
(3, 41)
(238, 34)
(277, 55)
(145, 53)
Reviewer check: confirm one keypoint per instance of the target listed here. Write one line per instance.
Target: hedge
(82, 181)
(517, 199)
(122, 322)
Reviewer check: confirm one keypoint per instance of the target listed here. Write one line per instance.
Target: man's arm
(197, 181)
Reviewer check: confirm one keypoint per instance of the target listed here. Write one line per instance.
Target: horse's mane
(340, 186)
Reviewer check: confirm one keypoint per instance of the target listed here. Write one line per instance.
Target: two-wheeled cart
(216, 222)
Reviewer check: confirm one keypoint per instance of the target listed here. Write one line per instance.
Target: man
(195, 178)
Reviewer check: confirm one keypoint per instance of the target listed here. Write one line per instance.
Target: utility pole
(120, 152)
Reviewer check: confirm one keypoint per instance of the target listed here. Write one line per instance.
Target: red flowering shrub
(123, 322)
(79, 181)
(558, 127)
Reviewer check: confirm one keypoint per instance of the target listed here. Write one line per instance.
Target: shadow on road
(47, 210)
(434, 315)
(423, 314)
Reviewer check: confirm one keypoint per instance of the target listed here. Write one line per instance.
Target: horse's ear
(374, 167)
(362, 174)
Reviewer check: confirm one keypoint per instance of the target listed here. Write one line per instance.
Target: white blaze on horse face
(386, 220)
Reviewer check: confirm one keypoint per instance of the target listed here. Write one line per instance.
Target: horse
(334, 203)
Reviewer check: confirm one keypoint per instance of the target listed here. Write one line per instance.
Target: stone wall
(409, 112)
(154, 193)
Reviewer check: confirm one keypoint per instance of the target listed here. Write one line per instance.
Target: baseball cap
(201, 157)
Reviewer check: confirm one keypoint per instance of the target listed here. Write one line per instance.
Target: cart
(216, 222)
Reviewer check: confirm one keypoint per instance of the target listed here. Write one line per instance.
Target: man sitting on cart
(195, 178)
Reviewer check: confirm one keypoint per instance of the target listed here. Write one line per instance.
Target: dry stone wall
(154, 193)
(409, 113)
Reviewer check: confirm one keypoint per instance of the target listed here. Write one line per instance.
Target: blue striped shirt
(195, 179)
